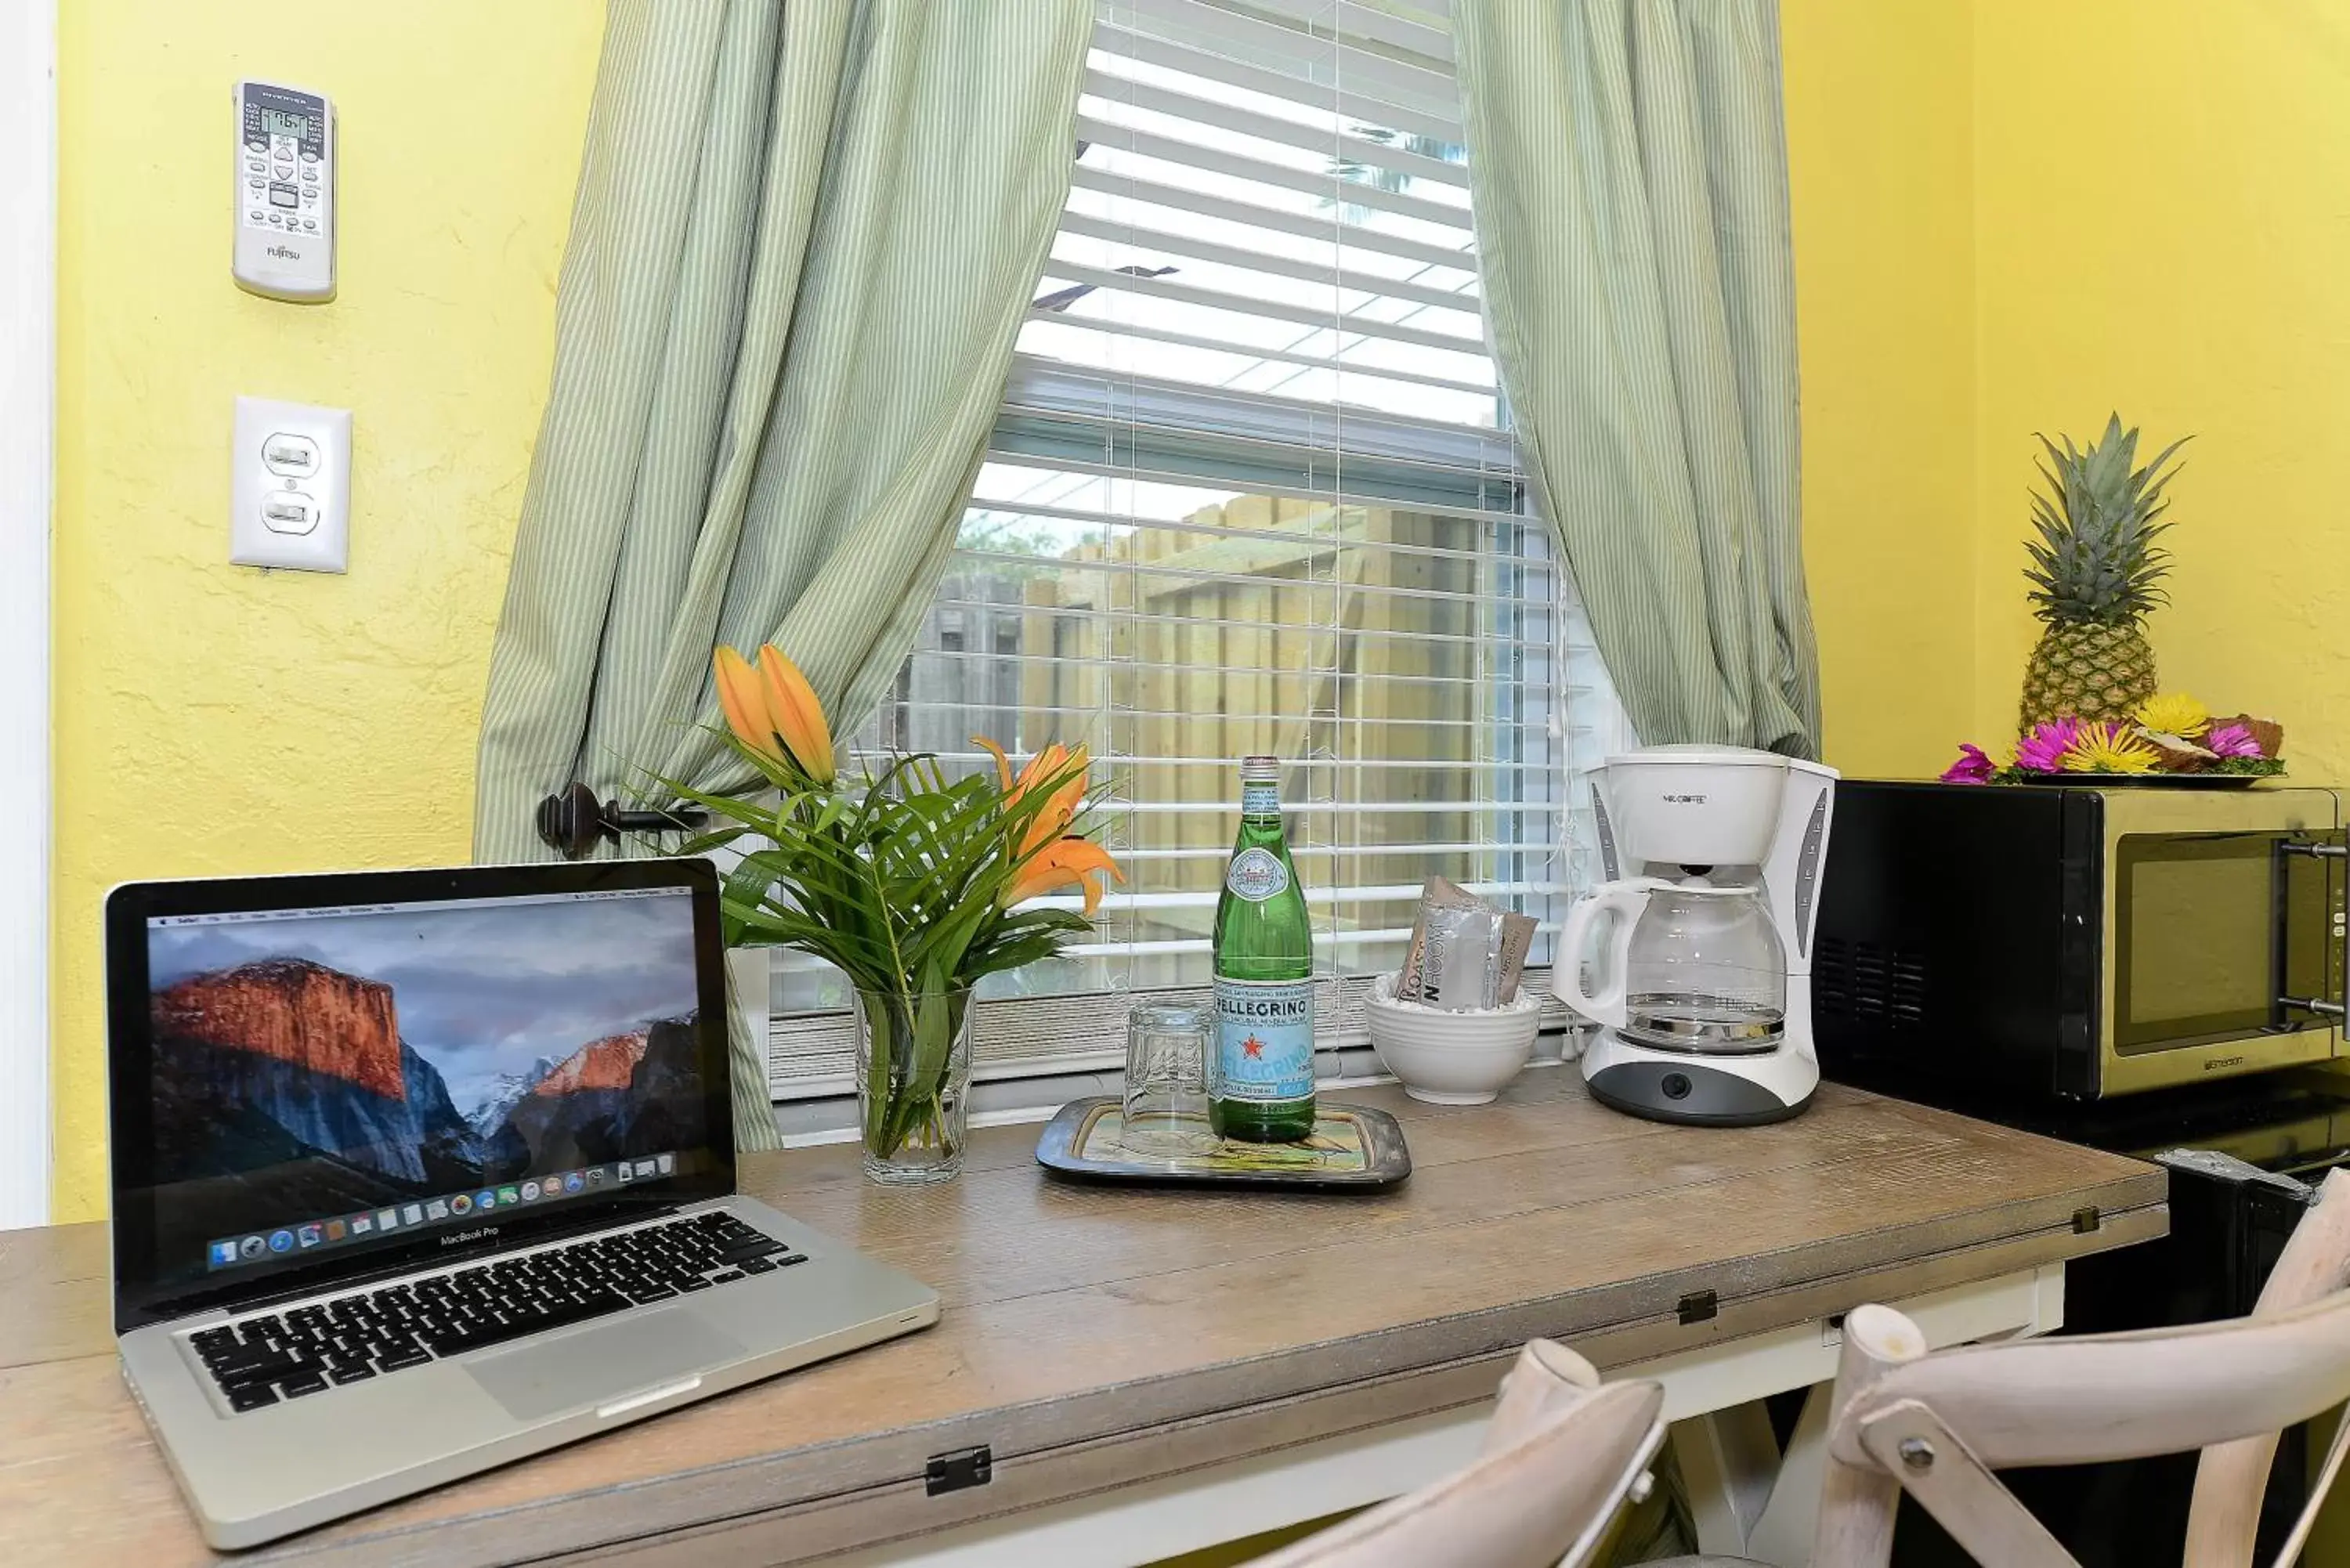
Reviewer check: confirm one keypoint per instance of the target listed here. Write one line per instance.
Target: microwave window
(2198, 944)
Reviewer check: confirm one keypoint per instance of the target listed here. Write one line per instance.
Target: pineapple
(2095, 574)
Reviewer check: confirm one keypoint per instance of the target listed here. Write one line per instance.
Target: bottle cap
(1260, 770)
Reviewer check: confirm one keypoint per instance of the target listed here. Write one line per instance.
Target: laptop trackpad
(594, 1365)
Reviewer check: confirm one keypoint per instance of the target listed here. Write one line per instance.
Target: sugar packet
(1464, 952)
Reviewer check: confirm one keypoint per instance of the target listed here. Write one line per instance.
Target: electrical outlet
(290, 500)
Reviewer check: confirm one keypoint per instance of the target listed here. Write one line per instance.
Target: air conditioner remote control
(284, 184)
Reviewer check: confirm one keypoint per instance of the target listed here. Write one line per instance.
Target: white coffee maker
(1703, 987)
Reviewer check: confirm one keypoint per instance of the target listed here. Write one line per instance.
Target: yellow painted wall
(1880, 152)
(211, 719)
(2164, 228)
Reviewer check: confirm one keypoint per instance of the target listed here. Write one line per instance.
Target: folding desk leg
(1783, 1537)
(1728, 1460)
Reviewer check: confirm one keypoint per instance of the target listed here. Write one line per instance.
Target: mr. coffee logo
(1256, 873)
(1686, 799)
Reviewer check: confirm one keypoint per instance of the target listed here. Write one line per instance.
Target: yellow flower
(2174, 713)
(773, 711)
(799, 717)
(744, 703)
(1053, 818)
(1073, 861)
(2109, 749)
(1054, 856)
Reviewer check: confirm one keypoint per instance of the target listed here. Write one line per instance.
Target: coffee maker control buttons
(1807, 874)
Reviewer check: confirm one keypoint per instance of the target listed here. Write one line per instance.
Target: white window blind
(1253, 491)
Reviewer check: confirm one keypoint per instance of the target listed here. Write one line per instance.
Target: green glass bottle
(1263, 1081)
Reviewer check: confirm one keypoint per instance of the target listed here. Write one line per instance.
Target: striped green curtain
(1627, 160)
(805, 237)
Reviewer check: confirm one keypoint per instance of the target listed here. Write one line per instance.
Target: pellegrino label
(1265, 1039)
(1256, 875)
(1260, 799)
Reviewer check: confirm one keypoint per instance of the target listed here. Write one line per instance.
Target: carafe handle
(1627, 899)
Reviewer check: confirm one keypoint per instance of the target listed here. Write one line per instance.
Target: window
(1253, 490)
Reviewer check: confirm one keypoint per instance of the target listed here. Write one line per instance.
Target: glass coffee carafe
(1690, 966)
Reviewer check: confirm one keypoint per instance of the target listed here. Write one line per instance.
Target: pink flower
(2043, 749)
(1974, 768)
(2232, 741)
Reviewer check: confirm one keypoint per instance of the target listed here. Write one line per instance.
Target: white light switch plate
(290, 502)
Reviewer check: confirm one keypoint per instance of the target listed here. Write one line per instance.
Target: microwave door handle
(2336, 850)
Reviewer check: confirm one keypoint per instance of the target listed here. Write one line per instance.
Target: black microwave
(2079, 942)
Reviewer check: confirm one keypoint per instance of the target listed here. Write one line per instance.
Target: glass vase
(913, 1083)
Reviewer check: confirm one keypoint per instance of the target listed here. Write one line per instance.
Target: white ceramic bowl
(1451, 1058)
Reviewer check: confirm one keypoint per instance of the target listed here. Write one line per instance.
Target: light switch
(288, 511)
(290, 467)
(296, 456)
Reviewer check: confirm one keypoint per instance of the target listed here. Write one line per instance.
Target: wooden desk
(1110, 1345)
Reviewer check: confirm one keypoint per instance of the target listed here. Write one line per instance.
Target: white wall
(28, 161)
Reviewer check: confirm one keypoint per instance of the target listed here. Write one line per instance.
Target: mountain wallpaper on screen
(288, 1081)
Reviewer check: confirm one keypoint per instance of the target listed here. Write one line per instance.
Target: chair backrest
(1560, 1457)
(2231, 1477)
(1937, 1426)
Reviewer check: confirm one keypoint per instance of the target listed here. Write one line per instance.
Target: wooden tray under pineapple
(1353, 1149)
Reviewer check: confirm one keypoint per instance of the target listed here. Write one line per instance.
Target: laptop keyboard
(259, 1361)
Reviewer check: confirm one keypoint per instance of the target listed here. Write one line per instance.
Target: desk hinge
(1697, 1307)
(960, 1468)
(2086, 1219)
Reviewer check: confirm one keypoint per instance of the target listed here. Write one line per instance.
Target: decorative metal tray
(1352, 1149)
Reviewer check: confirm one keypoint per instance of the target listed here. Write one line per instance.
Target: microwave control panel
(284, 216)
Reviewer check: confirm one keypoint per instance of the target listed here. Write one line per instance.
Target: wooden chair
(1562, 1455)
(1565, 1452)
(1937, 1427)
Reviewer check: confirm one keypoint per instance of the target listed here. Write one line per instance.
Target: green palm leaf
(900, 883)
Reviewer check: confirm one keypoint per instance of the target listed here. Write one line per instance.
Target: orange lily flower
(744, 703)
(799, 717)
(1078, 862)
(1053, 818)
(773, 711)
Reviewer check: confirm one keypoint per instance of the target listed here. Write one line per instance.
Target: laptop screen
(327, 1079)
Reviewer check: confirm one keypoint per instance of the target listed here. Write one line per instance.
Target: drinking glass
(1167, 1049)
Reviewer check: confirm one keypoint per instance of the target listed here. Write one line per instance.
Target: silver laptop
(418, 1172)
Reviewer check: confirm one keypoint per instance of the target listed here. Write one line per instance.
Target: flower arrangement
(908, 882)
(2167, 733)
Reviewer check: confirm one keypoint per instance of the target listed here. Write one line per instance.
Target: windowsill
(1082, 1036)
(1013, 1102)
